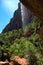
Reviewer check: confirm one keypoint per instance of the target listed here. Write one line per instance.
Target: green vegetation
(16, 44)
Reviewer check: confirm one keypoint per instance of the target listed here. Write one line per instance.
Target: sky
(7, 8)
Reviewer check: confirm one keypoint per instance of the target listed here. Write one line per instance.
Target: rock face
(34, 5)
(27, 15)
(22, 16)
(15, 22)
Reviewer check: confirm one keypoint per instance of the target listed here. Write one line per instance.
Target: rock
(35, 6)
(22, 16)
(4, 63)
(15, 22)
(15, 61)
(19, 61)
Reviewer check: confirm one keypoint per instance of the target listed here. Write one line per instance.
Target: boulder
(19, 61)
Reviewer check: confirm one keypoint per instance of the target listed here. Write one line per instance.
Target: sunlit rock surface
(19, 61)
(4, 63)
(16, 61)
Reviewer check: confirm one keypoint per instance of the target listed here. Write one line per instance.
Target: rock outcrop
(22, 16)
(16, 61)
(19, 61)
(15, 22)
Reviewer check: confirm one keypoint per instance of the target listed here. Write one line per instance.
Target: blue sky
(7, 8)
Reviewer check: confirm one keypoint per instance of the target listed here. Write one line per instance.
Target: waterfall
(27, 16)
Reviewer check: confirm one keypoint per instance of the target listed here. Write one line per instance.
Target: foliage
(30, 47)
(31, 26)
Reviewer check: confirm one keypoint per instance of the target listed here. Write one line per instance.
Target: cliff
(15, 22)
(35, 6)
(22, 16)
